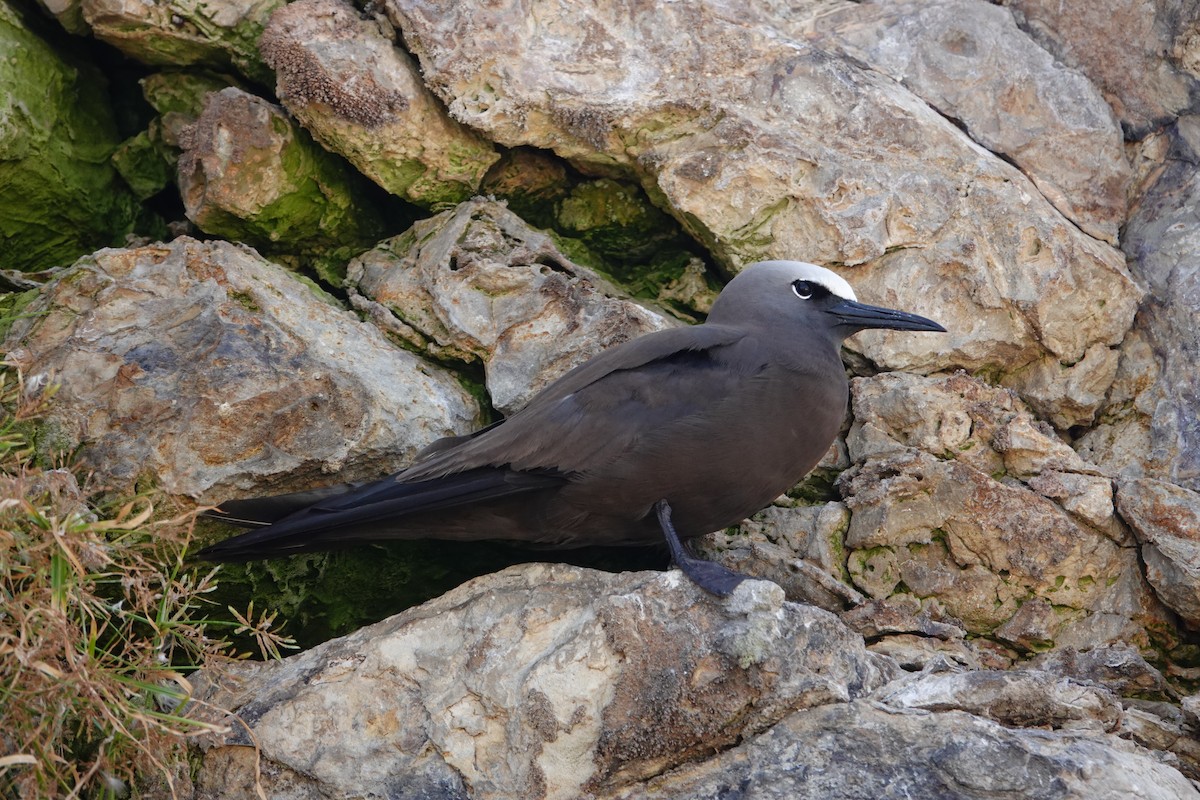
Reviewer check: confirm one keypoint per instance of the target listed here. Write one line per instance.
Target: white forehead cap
(804, 271)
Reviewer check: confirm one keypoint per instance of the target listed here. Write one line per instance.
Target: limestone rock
(59, 196)
(1016, 698)
(765, 145)
(217, 374)
(800, 548)
(361, 96)
(956, 417)
(959, 495)
(215, 33)
(863, 749)
(1149, 425)
(1117, 666)
(1136, 430)
(1161, 727)
(536, 682)
(557, 682)
(69, 13)
(1166, 520)
(1149, 77)
(249, 173)
(968, 60)
(477, 283)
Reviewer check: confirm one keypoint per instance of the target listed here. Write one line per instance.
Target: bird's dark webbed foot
(708, 575)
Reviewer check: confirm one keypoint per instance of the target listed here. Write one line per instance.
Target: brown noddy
(675, 434)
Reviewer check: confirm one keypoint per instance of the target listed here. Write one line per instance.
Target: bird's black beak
(861, 316)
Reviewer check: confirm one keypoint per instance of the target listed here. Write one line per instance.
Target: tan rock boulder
(969, 61)
(249, 173)
(1166, 520)
(536, 682)
(765, 145)
(213, 372)
(215, 33)
(1150, 77)
(478, 284)
(361, 95)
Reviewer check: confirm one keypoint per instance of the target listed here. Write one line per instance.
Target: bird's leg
(709, 576)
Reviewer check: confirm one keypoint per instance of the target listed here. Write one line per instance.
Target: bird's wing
(586, 418)
(603, 408)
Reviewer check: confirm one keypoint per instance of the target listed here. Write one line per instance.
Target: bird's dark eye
(803, 289)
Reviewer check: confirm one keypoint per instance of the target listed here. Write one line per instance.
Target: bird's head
(780, 293)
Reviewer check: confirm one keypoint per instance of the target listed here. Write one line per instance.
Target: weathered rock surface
(1016, 698)
(361, 96)
(968, 60)
(960, 495)
(215, 33)
(1117, 666)
(535, 682)
(557, 682)
(214, 372)
(801, 548)
(1149, 425)
(149, 160)
(862, 749)
(1166, 520)
(965, 512)
(477, 283)
(963, 517)
(59, 195)
(767, 146)
(1149, 77)
(249, 173)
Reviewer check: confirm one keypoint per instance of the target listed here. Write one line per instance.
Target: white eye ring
(807, 294)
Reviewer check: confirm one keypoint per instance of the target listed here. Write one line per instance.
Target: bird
(671, 435)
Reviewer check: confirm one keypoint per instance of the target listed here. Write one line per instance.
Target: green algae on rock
(215, 33)
(616, 220)
(59, 194)
(174, 91)
(530, 181)
(249, 173)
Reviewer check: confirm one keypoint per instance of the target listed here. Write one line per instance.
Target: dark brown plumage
(683, 431)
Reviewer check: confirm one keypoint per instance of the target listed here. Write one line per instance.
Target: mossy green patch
(175, 92)
(989, 373)
(175, 33)
(617, 221)
(12, 308)
(319, 210)
(146, 162)
(54, 444)
(324, 595)
(245, 300)
(819, 486)
(60, 196)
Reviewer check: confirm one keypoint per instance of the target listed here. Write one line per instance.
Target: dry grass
(101, 621)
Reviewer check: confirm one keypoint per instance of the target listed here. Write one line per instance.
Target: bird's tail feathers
(373, 512)
(258, 512)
